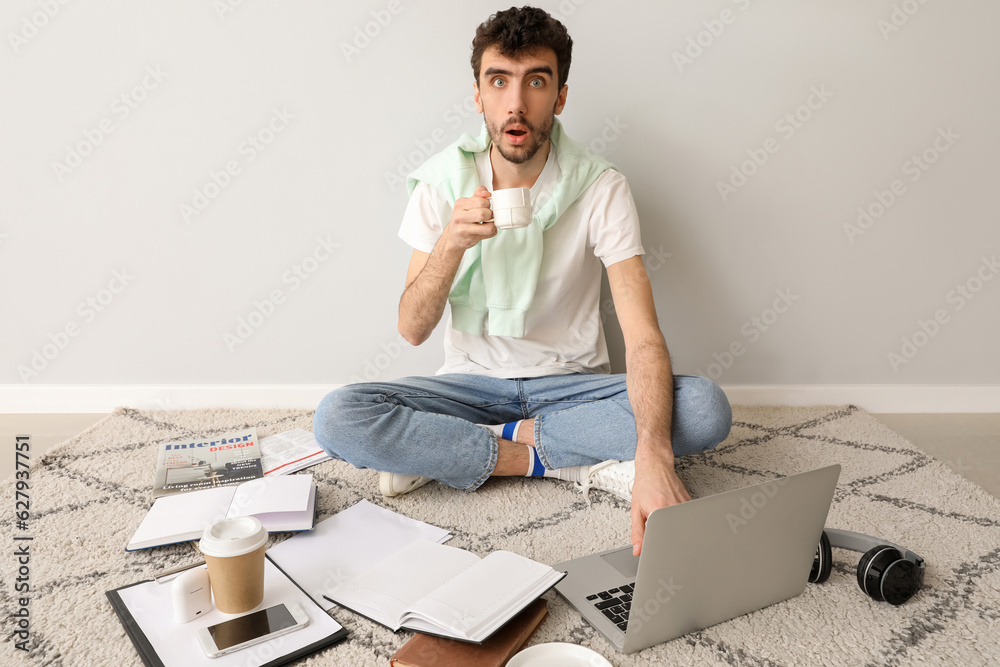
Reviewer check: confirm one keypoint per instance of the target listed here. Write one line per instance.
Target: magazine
(193, 464)
(290, 451)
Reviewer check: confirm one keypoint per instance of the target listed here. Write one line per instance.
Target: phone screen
(251, 626)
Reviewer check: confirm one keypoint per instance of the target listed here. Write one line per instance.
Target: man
(525, 388)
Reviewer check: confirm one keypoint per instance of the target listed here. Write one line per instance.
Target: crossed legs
(431, 426)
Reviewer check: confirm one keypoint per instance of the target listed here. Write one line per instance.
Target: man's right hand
(471, 221)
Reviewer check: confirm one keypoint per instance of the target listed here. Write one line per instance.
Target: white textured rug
(89, 494)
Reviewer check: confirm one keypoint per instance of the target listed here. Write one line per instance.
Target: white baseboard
(105, 398)
(878, 398)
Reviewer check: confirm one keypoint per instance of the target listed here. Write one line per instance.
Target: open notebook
(446, 591)
(285, 503)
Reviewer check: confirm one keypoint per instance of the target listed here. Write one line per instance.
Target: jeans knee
(713, 416)
(328, 422)
(721, 413)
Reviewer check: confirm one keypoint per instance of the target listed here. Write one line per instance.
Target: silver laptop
(705, 561)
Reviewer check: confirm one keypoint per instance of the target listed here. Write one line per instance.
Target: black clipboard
(150, 658)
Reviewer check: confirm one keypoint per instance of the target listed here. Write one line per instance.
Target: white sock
(496, 428)
(510, 428)
(571, 474)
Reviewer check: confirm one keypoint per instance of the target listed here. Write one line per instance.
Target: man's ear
(476, 97)
(561, 100)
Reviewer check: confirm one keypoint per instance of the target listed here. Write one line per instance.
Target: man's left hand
(656, 485)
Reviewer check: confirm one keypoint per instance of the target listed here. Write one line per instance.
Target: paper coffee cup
(511, 208)
(234, 552)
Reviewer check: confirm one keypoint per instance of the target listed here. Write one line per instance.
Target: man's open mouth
(517, 135)
(516, 130)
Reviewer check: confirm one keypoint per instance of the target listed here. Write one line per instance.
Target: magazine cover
(220, 460)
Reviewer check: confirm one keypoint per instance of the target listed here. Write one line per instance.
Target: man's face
(519, 98)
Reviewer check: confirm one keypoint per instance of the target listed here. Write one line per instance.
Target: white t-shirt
(563, 332)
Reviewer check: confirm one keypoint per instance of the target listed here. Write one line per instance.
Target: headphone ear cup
(872, 566)
(823, 562)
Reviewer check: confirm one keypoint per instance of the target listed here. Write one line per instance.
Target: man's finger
(474, 203)
(638, 530)
(475, 214)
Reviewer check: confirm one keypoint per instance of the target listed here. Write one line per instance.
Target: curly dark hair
(515, 31)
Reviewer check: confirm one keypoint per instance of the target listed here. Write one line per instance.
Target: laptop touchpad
(623, 561)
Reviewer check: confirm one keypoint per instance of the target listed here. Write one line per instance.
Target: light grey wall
(157, 100)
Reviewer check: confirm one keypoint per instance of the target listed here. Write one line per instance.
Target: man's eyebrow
(541, 69)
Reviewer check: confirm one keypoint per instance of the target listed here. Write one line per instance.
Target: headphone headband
(846, 539)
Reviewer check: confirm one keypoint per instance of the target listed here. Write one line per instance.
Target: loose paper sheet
(347, 544)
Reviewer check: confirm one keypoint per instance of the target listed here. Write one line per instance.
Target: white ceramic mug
(511, 208)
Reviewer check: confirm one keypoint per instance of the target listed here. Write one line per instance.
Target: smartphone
(253, 628)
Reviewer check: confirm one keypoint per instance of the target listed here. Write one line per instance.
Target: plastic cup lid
(233, 537)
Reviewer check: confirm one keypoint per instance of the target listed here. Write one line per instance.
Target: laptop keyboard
(615, 604)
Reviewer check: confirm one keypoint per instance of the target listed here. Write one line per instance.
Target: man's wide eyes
(534, 83)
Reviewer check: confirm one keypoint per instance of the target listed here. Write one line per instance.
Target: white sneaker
(615, 477)
(396, 484)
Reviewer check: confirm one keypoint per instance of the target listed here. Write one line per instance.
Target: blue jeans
(429, 426)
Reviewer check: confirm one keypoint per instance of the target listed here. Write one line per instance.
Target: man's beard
(524, 152)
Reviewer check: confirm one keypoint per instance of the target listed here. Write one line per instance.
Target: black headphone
(887, 571)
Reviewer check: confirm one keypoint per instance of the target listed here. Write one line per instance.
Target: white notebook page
(272, 494)
(481, 593)
(402, 579)
(184, 514)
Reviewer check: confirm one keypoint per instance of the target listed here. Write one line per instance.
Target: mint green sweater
(498, 276)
